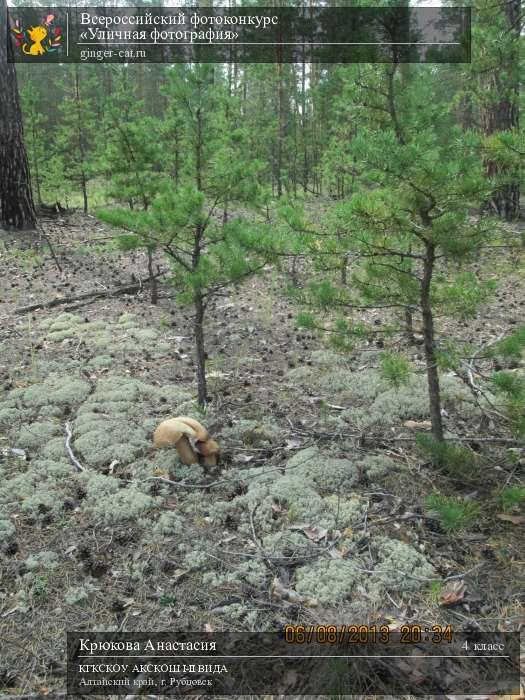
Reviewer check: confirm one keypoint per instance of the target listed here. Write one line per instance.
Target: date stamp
(367, 634)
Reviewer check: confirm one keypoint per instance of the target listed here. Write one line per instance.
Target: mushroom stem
(185, 451)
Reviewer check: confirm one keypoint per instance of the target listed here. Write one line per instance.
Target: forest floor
(318, 511)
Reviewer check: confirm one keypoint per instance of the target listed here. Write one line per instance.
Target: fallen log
(96, 294)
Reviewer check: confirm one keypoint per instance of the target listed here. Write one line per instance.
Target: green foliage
(463, 294)
(512, 347)
(395, 369)
(306, 321)
(512, 497)
(128, 241)
(453, 513)
(435, 591)
(452, 458)
(75, 138)
(511, 385)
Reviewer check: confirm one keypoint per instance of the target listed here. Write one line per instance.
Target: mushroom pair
(191, 440)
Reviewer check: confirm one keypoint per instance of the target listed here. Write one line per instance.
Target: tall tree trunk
(17, 206)
(280, 124)
(304, 132)
(429, 345)
(198, 300)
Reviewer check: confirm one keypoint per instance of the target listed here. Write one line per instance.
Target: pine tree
(409, 223)
(16, 197)
(497, 67)
(205, 253)
(75, 138)
(132, 158)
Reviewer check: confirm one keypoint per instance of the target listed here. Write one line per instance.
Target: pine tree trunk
(280, 126)
(154, 288)
(434, 393)
(198, 301)
(200, 354)
(17, 206)
(304, 126)
(81, 148)
(83, 186)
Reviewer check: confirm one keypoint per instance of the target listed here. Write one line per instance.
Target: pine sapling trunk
(428, 338)
(200, 354)
(154, 288)
(83, 185)
(344, 268)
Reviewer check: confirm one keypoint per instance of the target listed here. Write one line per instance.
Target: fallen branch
(424, 578)
(471, 438)
(74, 460)
(365, 440)
(127, 289)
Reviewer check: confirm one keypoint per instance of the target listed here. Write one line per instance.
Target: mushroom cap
(170, 431)
(200, 431)
(207, 448)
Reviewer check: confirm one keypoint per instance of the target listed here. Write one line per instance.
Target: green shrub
(512, 386)
(452, 458)
(453, 513)
(306, 321)
(395, 369)
(512, 497)
(511, 348)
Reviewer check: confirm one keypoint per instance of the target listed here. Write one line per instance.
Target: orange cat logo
(39, 40)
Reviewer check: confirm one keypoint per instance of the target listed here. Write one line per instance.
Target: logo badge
(40, 39)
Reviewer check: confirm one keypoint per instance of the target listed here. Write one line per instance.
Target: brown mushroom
(174, 432)
(201, 434)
